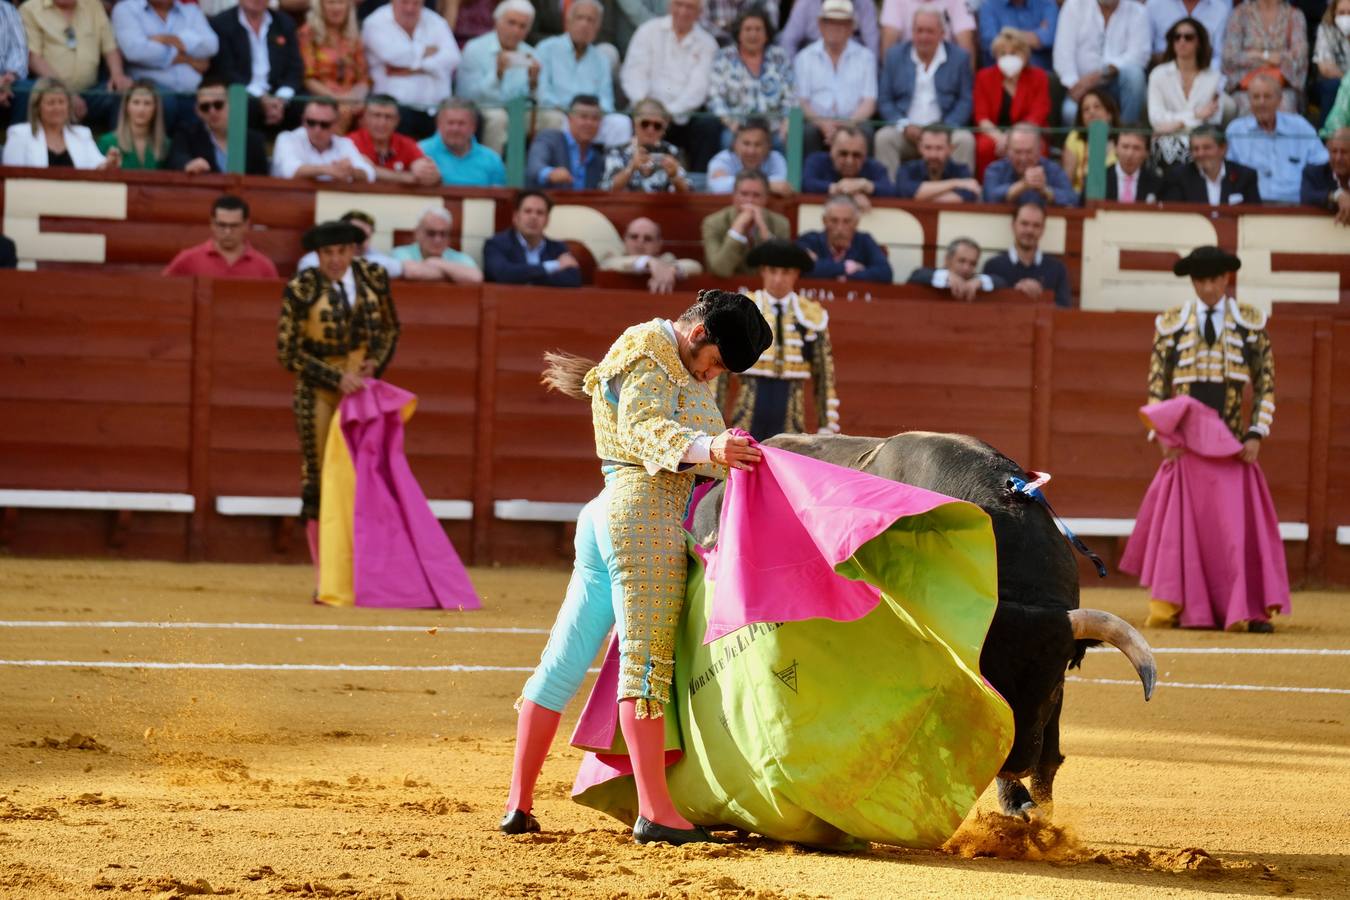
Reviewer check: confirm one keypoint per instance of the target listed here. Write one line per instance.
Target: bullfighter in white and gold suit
(657, 426)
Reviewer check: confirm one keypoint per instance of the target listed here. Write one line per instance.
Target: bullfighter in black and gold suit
(337, 328)
(772, 397)
(1213, 347)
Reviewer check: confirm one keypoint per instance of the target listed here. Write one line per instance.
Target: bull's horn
(1098, 625)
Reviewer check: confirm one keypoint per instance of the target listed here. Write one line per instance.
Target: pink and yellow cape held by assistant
(827, 683)
(379, 542)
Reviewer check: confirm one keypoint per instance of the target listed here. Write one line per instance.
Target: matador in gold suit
(657, 427)
(331, 326)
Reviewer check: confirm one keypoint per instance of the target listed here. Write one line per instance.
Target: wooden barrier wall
(151, 384)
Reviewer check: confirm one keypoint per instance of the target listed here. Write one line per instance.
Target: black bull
(1038, 631)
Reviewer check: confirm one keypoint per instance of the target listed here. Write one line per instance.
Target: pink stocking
(534, 735)
(646, 740)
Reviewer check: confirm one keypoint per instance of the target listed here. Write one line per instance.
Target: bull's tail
(566, 373)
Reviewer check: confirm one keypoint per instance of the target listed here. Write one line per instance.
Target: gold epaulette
(1171, 321)
(649, 340)
(1248, 316)
(812, 314)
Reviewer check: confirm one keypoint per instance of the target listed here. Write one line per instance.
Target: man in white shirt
(670, 59)
(1103, 44)
(498, 67)
(313, 151)
(836, 79)
(412, 55)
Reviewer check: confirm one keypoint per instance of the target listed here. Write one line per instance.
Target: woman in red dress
(1007, 93)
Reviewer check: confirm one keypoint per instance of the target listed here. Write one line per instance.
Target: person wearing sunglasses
(314, 151)
(1184, 92)
(69, 40)
(200, 146)
(649, 163)
(644, 253)
(430, 257)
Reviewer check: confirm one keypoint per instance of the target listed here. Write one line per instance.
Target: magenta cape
(401, 556)
(827, 683)
(1207, 537)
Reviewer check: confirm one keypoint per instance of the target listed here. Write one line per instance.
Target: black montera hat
(781, 253)
(326, 234)
(1206, 262)
(736, 326)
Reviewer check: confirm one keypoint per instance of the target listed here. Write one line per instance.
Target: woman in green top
(140, 129)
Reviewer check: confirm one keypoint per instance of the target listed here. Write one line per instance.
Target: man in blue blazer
(569, 158)
(1327, 186)
(841, 252)
(234, 61)
(522, 255)
(924, 81)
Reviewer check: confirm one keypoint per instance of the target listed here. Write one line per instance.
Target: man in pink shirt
(227, 254)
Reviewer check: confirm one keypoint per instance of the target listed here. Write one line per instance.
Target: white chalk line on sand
(474, 629)
(273, 626)
(457, 667)
(1213, 687)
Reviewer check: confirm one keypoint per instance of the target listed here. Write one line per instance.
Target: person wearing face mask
(1006, 93)
(1230, 572)
(1331, 54)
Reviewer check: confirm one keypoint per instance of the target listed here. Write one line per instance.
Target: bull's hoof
(1014, 799)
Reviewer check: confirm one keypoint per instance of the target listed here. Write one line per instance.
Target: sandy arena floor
(118, 777)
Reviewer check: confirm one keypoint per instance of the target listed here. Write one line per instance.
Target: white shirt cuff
(551, 266)
(940, 278)
(737, 236)
(642, 263)
(285, 93)
(986, 283)
(700, 451)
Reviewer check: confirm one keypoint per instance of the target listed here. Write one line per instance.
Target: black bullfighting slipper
(518, 822)
(1258, 627)
(647, 832)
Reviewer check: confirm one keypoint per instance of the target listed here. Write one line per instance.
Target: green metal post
(796, 124)
(1096, 173)
(236, 148)
(516, 111)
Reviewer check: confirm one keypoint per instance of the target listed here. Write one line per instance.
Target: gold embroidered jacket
(1242, 355)
(318, 334)
(803, 351)
(659, 411)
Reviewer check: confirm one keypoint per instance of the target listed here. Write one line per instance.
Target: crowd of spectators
(679, 95)
(938, 100)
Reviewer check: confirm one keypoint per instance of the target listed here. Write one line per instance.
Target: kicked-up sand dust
(124, 774)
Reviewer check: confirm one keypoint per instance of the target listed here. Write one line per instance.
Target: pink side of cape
(783, 529)
(401, 556)
(1207, 537)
